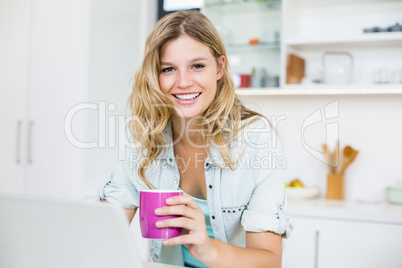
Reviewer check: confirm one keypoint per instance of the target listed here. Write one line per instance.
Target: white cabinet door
(300, 250)
(359, 244)
(55, 55)
(321, 243)
(44, 53)
(60, 54)
(15, 17)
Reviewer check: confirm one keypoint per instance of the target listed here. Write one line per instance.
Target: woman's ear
(221, 67)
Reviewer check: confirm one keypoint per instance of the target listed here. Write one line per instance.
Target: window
(169, 6)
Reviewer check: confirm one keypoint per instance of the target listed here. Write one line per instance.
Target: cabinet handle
(29, 146)
(18, 143)
(317, 240)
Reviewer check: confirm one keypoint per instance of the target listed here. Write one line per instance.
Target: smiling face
(189, 75)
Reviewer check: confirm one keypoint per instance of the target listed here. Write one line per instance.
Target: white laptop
(47, 233)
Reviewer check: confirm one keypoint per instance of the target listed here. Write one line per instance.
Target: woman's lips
(187, 98)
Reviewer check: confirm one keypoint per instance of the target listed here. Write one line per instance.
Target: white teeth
(187, 96)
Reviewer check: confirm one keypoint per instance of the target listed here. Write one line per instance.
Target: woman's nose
(183, 79)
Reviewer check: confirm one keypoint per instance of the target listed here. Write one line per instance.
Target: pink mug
(149, 201)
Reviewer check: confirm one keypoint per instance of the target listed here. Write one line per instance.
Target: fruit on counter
(254, 41)
(295, 183)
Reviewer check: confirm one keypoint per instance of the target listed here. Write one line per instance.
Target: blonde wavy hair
(152, 110)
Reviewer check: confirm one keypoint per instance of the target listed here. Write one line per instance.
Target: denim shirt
(250, 198)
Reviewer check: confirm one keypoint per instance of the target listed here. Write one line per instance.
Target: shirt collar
(167, 153)
(215, 158)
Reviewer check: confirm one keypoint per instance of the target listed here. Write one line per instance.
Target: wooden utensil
(332, 158)
(349, 155)
(294, 69)
(335, 159)
(327, 156)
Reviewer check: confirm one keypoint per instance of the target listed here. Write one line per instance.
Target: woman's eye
(198, 66)
(166, 70)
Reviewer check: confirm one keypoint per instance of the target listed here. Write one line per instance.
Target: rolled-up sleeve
(120, 189)
(267, 208)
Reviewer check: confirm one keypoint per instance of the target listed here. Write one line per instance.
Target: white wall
(369, 123)
(118, 32)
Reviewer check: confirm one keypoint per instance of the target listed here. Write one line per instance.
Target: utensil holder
(335, 187)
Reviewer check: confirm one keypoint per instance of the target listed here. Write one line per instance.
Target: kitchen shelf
(243, 5)
(260, 46)
(315, 3)
(250, 19)
(371, 39)
(323, 90)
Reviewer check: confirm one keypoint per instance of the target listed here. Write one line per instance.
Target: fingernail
(169, 200)
(165, 242)
(158, 224)
(158, 210)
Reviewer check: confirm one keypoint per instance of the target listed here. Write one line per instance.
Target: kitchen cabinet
(312, 28)
(13, 85)
(43, 70)
(57, 56)
(250, 46)
(342, 234)
(309, 28)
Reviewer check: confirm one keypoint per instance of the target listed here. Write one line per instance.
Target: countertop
(158, 265)
(382, 212)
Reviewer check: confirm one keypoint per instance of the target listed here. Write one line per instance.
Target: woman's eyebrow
(198, 59)
(189, 61)
(166, 63)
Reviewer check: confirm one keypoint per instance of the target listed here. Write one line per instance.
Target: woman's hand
(263, 249)
(191, 219)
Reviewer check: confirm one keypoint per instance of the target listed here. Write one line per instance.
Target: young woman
(194, 134)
